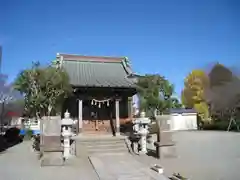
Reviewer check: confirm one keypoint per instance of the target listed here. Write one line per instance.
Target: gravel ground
(205, 155)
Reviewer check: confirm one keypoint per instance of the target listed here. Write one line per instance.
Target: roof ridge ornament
(127, 65)
(126, 61)
(57, 61)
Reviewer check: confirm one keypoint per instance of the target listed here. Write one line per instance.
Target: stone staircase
(89, 145)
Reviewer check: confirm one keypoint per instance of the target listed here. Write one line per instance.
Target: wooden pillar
(130, 108)
(80, 123)
(117, 117)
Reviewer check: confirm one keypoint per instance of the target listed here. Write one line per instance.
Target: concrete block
(52, 159)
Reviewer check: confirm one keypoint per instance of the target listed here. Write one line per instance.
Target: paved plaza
(201, 155)
(206, 155)
(20, 163)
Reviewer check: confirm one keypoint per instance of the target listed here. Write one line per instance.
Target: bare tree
(7, 94)
(223, 94)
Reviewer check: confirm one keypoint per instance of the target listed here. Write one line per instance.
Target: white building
(183, 119)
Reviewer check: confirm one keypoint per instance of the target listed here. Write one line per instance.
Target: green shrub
(28, 134)
(220, 125)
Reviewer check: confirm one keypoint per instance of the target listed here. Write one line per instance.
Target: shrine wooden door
(97, 121)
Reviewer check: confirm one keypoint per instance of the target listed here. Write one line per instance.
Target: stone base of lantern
(52, 159)
(167, 150)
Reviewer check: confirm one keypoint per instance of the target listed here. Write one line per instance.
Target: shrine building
(103, 90)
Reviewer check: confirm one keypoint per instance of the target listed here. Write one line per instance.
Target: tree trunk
(49, 110)
(38, 116)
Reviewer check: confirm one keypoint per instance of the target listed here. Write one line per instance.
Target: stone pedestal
(52, 152)
(66, 143)
(165, 146)
(72, 147)
(143, 141)
(52, 159)
(165, 150)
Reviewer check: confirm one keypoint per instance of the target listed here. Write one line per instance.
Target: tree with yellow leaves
(193, 94)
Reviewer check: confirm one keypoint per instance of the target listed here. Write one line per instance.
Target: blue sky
(169, 37)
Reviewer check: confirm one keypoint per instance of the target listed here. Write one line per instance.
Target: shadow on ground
(9, 139)
(152, 153)
(127, 128)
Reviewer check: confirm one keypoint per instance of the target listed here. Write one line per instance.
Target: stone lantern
(141, 128)
(67, 123)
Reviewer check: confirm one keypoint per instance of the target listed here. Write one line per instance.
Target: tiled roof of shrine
(95, 71)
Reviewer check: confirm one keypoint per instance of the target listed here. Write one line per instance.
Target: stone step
(108, 150)
(102, 142)
(101, 145)
(105, 146)
(103, 151)
(100, 139)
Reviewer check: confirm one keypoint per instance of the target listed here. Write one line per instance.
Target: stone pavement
(201, 155)
(20, 163)
(122, 167)
(209, 155)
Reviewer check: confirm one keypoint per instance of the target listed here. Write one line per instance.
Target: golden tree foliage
(193, 94)
(203, 110)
